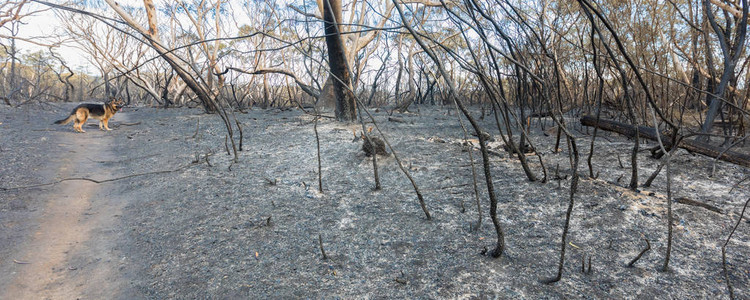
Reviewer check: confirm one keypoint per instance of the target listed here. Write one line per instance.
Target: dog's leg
(78, 126)
(81, 117)
(106, 124)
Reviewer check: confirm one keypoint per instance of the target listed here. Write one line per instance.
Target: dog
(101, 112)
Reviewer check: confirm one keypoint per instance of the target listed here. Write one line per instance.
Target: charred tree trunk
(345, 104)
(731, 56)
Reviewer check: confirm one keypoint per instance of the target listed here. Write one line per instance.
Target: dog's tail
(66, 121)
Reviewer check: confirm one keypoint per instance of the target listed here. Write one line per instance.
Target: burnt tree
(345, 104)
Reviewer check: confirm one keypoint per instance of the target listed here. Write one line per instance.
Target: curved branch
(306, 88)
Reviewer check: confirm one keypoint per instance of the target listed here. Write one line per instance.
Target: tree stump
(377, 147)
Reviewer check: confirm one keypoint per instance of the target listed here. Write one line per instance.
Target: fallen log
(707, 149)
(692, 202)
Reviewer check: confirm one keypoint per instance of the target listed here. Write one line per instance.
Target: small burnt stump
(525, 149)
(377, 146)
(487, 137)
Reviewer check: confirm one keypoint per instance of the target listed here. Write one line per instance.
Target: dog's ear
(118, 103)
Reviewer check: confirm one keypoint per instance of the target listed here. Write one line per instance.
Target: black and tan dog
(101, 112)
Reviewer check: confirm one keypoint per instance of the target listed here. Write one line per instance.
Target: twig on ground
(648, 247)
(738, 183)
(583, 263)
(97, 181)
(584, 270)
(207, 162)
(129, 124)
(320, 242)
(401, 279)
(270, 181)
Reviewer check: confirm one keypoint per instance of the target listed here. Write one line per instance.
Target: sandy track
(71, 252)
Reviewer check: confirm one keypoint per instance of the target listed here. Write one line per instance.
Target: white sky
(45, 27)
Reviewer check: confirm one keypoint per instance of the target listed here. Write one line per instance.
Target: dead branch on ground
(98, 181)
(648, 247)
(687, 201)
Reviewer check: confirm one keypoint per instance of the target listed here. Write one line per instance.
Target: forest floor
(180, 219)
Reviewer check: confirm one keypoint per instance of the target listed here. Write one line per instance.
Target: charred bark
(345, 104)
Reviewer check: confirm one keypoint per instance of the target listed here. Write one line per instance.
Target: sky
(45, 27)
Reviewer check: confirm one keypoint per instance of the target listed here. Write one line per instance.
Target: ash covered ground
(213, 228)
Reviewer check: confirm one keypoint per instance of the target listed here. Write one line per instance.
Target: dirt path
(72, 251)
